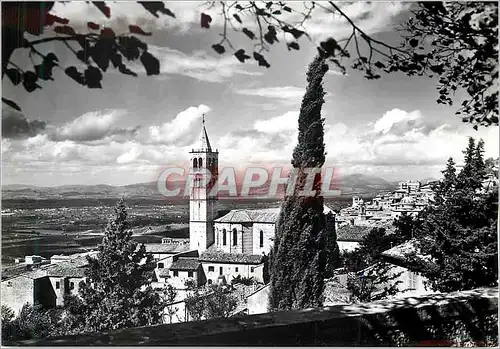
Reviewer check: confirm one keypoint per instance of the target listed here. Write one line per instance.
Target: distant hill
(355, 184)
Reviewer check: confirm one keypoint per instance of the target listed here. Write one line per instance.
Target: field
(48, 227)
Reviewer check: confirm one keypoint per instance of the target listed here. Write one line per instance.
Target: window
(58, 285)
(236, 269)
(224, 241)
(412, 280)
(211, 268)
(176, 273)
(9, 284)
(221, 270)
(195, 163)
(252, 269)
(200, 162)
(71, 285)
(235, 237)
(261, 238)
(190, 274)
(161, 266)
(209, 281)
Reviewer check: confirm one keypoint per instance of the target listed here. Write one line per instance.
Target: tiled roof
(166, 248)
(217, 256)
(185, 264)
(266, 215)
(352, 233)
(400, 254)
(71, 268)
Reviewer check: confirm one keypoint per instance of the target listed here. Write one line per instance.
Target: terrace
(459, 318)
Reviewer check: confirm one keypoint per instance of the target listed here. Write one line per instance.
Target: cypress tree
(448, 183)
(117, 292)
(299, 257)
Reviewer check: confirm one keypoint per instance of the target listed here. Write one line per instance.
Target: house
(350, 236)
(257, 302)
(412, 283)
(167, 248)
(217, 263)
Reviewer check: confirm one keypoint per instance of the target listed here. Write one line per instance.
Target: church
(219, 248)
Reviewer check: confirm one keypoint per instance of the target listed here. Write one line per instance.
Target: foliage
(98, 49)
(373, 283)
(459, 232)
(219, 302)
(213, 302)
(298, 259)
(195, 303)
(170, 294)
(31, 322)
(369, 277)
(455, 41)
(406, 228)
(332, 248)
(117, 292)
(243, 280)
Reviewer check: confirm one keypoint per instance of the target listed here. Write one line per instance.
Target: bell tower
(202, 202)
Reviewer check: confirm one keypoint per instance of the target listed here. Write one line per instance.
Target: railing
(432, 320)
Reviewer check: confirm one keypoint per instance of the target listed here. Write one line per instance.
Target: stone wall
(433, 320)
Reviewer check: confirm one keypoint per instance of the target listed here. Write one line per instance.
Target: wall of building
(269, 230)
(17, 291)
(347, 245)
(65, 287)
(418, 286)
(230, 271)
(257, 302)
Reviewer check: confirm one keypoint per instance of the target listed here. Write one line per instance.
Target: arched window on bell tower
(200, 162)
(195, 163)
(224, 238)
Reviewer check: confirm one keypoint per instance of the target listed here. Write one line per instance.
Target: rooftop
(265, 215)
(184, 263)
(352, 232)
(217, 256)
(167, 248)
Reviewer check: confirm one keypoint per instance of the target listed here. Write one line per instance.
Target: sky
(134, 127)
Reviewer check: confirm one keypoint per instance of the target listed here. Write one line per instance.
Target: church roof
(265, 215)
(268, 215)
(352, 232)
(166, 248)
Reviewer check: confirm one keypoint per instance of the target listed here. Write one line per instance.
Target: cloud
(287, 95)
(177, 129)
(200, 65)
(15, 125)
(95, 126)
(285, 122)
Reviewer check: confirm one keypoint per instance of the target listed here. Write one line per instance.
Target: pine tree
(448, 183)
(460, 233)
(117, 292)
(298, 260)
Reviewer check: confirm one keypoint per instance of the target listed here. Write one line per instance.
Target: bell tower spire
(202, 202)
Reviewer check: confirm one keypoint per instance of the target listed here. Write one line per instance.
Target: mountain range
(354, 184)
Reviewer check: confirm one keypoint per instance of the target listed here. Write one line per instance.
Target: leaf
(293, 45)
(108, 33)
(205, 20)
(93, 77)
(150, 63)
(93, 26)
(14, 75)
(237, 17)
(413, 42)
(101, 5)
(137, 30)
(294, 31)
(329, 46)
(124, 70)
(51, 19)
(73, 73)
(156, 6)
(379, 65)
(249, 33)
(11, 104)
(29, 81)
(240, 54)
(260, 58)
(43, 71)
(277, 12)
(219, 48)
(129, 46)
(287, 9)
(67, 30)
